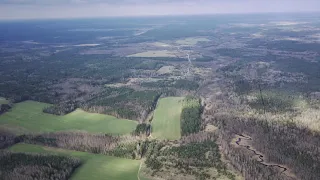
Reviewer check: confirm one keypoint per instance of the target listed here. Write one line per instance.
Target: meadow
(166, 120)
(3, 100)
(27, 116)
(94, 167)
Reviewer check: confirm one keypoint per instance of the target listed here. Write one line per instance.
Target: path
(138, 175)
(189, 60)
(190, 63)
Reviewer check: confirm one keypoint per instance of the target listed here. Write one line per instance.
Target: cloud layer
(15, 9)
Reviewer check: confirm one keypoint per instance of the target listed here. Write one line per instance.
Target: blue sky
(30, 9)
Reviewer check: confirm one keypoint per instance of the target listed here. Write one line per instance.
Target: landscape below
(173, 98)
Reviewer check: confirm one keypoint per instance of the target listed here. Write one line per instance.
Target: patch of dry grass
(160, 53)
(192, 41)
(166, 70)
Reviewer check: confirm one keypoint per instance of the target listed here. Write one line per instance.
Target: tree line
(190, 116)
(36, 166)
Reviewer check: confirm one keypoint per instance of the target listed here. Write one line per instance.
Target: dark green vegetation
(5, 105)
(118, 146)
(149, 65)
(123, 103)
(178, 84)
(190, 116)
(143, 129)
(49, 70)
(286, 45)
(192, 158)
(93, 166)
(275, 102)
(36, 166)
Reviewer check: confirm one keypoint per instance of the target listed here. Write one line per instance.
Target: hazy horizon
(45, 9)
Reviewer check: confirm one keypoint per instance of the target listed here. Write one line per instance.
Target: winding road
(243, 142)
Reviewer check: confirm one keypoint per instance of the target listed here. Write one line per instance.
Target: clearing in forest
(29, 116)
(166, 120)
(161, 44)
(94, 167)
(166, 70)
(162, 53)
(3, 100)
(192, 41)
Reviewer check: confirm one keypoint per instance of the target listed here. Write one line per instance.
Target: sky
(39, 9)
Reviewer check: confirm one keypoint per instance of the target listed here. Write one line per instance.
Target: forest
(196, 153)
(36, 166)
(191, 116)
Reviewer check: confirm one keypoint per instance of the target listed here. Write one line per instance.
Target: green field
(28, 117)
(95, 166)
(3, 100)
(166, 120)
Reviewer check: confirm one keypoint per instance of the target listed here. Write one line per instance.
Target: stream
(242, 138)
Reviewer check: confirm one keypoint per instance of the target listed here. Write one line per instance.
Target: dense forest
(36, 166)
(123, 103)
(191, 116)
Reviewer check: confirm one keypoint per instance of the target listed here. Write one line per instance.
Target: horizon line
(160, 15)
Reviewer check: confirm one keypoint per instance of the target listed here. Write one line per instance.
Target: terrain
(186, 97)
(94, 167)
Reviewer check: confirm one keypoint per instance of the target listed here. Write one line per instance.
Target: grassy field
(161, 44)
(3, 100)
(28, 116)
(95, 166)
(192, 41)
(163, 53)
(166, 70)
(166, 120)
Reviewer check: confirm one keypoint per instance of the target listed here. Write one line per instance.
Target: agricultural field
(192, 41)
(28, 115)
(166, 120)
(159, 53)
(95, 167)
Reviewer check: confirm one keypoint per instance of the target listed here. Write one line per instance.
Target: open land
(166, 120)
(95, 167)
(30, 117)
